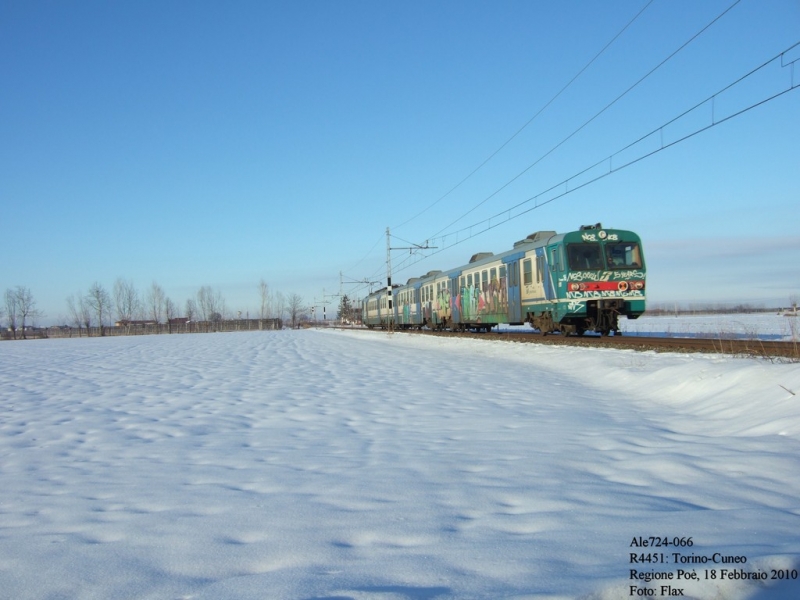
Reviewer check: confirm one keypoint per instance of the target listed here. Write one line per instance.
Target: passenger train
(569, 283)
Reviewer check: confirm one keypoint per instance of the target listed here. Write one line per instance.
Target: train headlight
(622, 286)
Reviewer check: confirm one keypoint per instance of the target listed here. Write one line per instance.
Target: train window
(584, 257)
(539, 269)
(527, 272)
(485, 280)
(469, 280)
(493, 276)
(502, 275)
(625, 255)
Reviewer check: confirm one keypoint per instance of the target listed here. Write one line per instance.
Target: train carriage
(570, 283)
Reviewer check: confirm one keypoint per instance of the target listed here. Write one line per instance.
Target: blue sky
(208, 143)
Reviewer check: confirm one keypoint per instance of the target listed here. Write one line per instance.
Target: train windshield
(623, 255)
(584, 257)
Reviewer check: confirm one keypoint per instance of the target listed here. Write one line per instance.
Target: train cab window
(584, 257)
(527, 271)
(625, 255)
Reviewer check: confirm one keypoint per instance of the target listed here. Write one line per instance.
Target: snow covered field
(322, 465)
(768, 326)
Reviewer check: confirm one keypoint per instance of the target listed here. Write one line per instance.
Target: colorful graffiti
(476, 302)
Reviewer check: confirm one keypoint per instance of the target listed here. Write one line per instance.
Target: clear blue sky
(210, 143)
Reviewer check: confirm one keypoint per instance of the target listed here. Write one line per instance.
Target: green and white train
(570, 283)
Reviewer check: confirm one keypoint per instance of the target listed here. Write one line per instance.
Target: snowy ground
(766, 326)
(322, 465)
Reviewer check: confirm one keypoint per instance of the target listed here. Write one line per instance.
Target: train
(569, 283)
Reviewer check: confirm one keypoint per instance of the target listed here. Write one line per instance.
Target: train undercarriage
(602, 316)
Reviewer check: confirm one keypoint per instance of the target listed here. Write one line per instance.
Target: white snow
(323, 465)
(747, 325)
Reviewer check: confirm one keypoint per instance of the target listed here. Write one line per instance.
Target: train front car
(599, 275)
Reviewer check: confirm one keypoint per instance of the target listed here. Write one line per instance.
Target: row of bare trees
(19, 309)
(97, 307)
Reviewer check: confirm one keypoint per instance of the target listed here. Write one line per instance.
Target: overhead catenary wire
(590, 120)
(529, 121)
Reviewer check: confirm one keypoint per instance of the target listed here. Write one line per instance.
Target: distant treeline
(654, 309)
(151, 328)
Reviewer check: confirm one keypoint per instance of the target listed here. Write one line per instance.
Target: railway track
(752, 348)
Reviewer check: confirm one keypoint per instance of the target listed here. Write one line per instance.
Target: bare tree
(11, 310)
(85, 311)
(126, 301)
(279, 307)
(211, 304)
(191, 309)
(169, 312)
(74, 312)
(203, 298)
(26, 306)
(263, 291)
(294, 306)
(80, 313)
(99, 302)
(155, 302)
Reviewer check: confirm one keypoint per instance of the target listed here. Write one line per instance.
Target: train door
(416, 304)
(455, 297)
(512, 277)
(551, 274)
